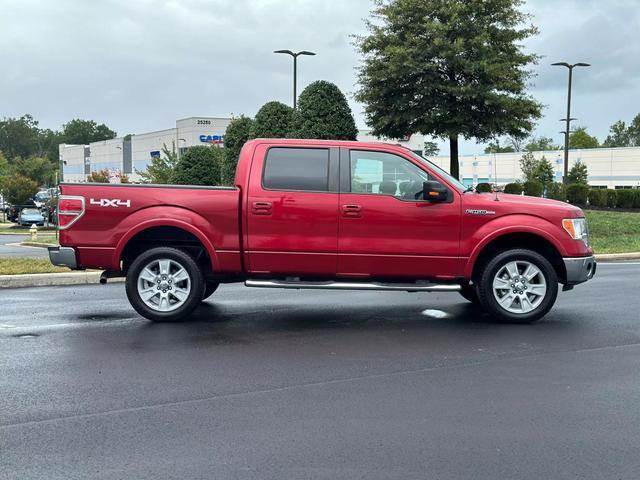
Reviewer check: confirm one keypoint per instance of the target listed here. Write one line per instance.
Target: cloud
(140, 64)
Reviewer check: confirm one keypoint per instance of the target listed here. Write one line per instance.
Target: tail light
(70, 209)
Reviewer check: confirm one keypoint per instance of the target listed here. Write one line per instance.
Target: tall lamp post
(568, 118)
(295, 56)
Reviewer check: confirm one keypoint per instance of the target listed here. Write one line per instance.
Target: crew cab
(313, 214)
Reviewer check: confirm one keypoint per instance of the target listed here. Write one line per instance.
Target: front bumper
(63, 257)
(579, 269)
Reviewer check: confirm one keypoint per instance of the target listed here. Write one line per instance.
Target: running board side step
(332, 285)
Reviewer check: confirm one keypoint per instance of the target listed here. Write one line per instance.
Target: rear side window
(297, 169)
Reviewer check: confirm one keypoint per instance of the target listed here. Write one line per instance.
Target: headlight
(577, 228)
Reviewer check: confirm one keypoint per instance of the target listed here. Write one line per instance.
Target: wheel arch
(530, 240)
(165, 232)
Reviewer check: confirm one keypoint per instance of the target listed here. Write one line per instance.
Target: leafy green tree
(540, 144)
(578, 174)
(239, 131)
(18, 189)
(19, 137)
(82, 132)
(581, 139)
(544, 172)
(4, 165)
(40, 170)
(160, 169)
(273, 120)
(431, 149)
(623, 135)
(323, 112)
(529, 166)
(200, 165)
(449, 68)
(495, 147)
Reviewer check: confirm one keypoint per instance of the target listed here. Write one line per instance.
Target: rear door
(384, 231)
(292, 210)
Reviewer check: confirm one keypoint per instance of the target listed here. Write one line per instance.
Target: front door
(384, 231)
(292, 211)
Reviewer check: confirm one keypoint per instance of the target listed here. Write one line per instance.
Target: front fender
(509, 224)
(184, 219)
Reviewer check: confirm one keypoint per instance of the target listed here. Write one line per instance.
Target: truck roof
(334, 143)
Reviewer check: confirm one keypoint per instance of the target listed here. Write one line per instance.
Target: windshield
(453, 181)
(41, 196)
(31, 211)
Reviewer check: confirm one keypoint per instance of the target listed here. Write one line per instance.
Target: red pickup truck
(326, 215)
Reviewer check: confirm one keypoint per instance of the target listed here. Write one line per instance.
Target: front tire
(518, 286)
(164, 284)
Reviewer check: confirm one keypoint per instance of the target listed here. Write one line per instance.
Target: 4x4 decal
(110, 202)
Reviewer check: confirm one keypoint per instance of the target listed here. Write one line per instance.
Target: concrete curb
(613, 257)
(53, 279)
(29, 243)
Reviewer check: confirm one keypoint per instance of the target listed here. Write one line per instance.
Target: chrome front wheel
(519, 286)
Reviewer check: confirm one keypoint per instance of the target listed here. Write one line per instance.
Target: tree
(40, 170)
(581, 139)
(544, 172)
(83, 132)
(273, 120)
(17, 189)
(4, 165)
(540, 144)
(431, 149)
(323, 112)
(495, 147)
(161, 168)
(239, 131)
(452, 69)
(102, 176)
(621, 135)
(200, 165)
(19, 137)
(529, 166)
(578, 174)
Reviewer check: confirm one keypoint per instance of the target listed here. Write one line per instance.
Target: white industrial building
(607, 167)
(129, 155)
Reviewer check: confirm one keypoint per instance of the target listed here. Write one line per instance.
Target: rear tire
(209, 288)
(164, 284)
(518, 286)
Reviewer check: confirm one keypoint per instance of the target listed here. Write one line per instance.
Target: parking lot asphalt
(9, 250)
(284, 384)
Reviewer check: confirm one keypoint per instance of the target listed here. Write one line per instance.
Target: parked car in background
(30, 216)
(41, 198)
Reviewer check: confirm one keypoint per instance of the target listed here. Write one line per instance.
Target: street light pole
(568, 117)
(295, 56)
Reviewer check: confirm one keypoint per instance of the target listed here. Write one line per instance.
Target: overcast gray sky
(138, 65)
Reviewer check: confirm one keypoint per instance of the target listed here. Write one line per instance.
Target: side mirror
(434, 192)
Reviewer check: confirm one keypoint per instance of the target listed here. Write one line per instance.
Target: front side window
(385, 174)
(305, 169)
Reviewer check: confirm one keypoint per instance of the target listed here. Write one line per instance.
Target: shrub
(577, 193)
(557, 191)
(484, 187)
(612, 197)
(18, 189)
(598, 197)
(636, 198)
(533, 188)
(323, 112)
(513, 188)
(624, 198)
(102, 176)
(200, 165)
(273, 120)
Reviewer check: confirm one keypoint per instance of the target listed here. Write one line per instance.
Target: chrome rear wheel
(164, 285)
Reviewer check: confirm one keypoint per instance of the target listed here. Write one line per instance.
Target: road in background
(8, 250)
(306, 384)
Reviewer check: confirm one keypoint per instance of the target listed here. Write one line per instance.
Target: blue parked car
(30, 216)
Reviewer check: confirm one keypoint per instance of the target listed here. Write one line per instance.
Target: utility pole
(295, 56)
